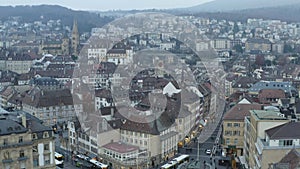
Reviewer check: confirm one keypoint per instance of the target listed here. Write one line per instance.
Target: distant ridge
(86, 20)
(231, 5)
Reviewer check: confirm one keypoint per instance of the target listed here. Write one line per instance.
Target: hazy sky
(108, 4)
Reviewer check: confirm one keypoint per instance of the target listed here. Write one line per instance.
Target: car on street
(207, 151)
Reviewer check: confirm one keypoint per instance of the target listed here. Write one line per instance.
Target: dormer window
(46, 134)
(34, 136)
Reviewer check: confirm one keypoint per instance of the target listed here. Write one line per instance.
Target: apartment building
(51, 106)
(233, 127)
(255, 126)
(278, 142)
(25, 143)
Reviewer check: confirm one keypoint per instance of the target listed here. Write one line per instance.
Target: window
(46, 135)
(227, 141)
(22, 165)
(145, 143)
(6, 155)
(236, 124)
(5, 141)
(285, 142)
(47, 159)
(35, 162)
(235, 141)
(34, 136)
(22, 154)
(228, 133)
(20, 139)
(34, 149)
(229, 124)
(236, 133)
(46, 147)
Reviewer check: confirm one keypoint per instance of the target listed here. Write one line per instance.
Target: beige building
(51, 106)
(61, 47)
(255, 126)
(277, 143)
(263, 45)
(19, 64)
(25, 144)
(233, 127)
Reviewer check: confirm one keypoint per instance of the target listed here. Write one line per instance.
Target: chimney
(112, 112)
(23, 119)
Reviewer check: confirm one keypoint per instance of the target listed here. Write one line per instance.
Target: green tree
(238, 48)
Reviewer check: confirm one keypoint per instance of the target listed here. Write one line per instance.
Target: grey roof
(36, 126)
(8, 127)
(285, 86)
(285, 131)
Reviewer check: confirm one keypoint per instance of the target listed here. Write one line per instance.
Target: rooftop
(285, 131)
(266, 115)
(8, 127)
(120, 147)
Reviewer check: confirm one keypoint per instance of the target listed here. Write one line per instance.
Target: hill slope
(230, 5)
(86, 20)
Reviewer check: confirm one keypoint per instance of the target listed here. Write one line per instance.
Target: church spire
(75, 38)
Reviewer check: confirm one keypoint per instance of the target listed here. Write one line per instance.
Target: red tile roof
(120, 147)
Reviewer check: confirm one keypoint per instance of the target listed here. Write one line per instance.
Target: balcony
(7, 161)
(261, 144)
(13, 145)
(22, 158)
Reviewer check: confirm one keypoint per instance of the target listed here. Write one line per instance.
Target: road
(208, 138)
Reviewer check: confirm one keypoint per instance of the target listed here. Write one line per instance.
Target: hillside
(86, 20)
(230, 5)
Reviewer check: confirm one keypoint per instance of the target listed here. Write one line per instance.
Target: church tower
(75, 39)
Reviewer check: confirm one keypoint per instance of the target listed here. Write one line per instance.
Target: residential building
(269, 96)
(233, 127)
(263, 45)
(289, 161)
(25, 142)
(255, 126)
(287, 87)
(277, 143)
(51, 106)
(19, 63)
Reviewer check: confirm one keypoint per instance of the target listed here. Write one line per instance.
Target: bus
(59, 160)
(182, 158)
(170, 165)
(97, 165)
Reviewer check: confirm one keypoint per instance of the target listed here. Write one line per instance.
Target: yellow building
(25, 143)
(233, 127)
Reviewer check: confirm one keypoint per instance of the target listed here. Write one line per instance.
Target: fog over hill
(230, 5)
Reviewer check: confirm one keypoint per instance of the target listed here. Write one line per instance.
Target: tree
(288, 48)
(236, 28)
(260, 60)
(238, 48)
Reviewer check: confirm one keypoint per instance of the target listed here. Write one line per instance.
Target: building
(263, 45)
(55, 47)
(221, 44)
(233, 127)
(18, 63)
(289, 161)
(51, 106)
(120, 54)
(25, 142)
(255, 126)
(269, 96)
(277, 143)
(287, 87)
